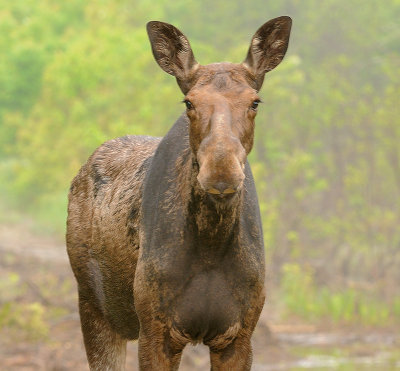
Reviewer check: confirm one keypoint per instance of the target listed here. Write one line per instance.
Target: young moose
(164, 234)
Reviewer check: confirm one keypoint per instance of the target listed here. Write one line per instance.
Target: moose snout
(221, 159)
(222, 181)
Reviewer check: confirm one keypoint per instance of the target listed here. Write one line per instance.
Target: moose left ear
(268, 47)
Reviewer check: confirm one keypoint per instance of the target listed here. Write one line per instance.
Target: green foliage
(304, 298)
(33, 301)
(27, 319)
(326, 157)
(16, 318)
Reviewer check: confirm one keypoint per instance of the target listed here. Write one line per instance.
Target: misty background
(326, 158)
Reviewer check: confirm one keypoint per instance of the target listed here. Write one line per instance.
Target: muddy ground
(35, 269)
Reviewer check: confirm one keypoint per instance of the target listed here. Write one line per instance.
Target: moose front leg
(237, 355)
(159, 349)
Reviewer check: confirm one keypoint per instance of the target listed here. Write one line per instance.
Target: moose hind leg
(105, 349)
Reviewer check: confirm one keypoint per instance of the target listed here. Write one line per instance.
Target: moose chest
(205, 305)
(201, 299)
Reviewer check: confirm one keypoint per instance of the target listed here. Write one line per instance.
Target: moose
(164, 235)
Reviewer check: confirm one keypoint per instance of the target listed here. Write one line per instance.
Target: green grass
(302, 297)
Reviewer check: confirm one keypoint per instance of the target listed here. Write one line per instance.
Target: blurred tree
(326, 156)
(31, 33)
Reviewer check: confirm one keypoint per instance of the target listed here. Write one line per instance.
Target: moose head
(221, 99)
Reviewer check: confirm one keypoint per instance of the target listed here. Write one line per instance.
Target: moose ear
(268, 47)
(172, 51)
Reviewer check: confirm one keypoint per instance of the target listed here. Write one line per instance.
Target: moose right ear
(172, 51)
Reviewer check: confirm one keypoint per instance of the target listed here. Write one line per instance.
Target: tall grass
(304, 298)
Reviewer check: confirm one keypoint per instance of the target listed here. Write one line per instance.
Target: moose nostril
(221, 188)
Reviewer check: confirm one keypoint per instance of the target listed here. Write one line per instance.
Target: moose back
(164, 234)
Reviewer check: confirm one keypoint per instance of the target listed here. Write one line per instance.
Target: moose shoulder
(164, 234)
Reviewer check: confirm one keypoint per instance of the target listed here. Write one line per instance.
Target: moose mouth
(223, 198)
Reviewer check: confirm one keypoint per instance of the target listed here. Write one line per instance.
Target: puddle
(376, 351)
(380, 362)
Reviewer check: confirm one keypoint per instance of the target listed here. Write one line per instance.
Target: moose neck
(213, 223)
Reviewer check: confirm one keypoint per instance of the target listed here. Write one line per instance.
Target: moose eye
(188, 104)
(254, 105)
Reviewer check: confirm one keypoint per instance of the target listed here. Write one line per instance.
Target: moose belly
(206, 307)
